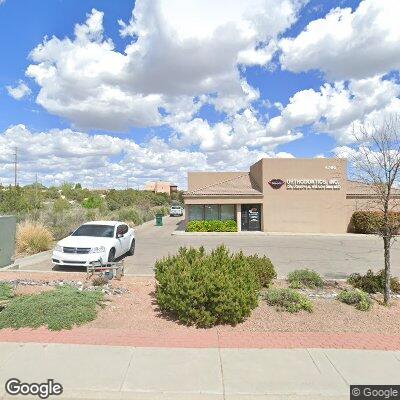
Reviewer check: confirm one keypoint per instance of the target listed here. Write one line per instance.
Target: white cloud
(243, 129)
(20, 91)
(336, 107)
(346, 44)
(107, 161)
(178, 54)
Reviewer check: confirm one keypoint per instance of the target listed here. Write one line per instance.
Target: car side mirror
(120, 235)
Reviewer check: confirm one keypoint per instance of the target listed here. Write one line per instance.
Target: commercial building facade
(279, 195)
(161, 187)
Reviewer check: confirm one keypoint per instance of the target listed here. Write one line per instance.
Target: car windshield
(95, 230)
(175, 207)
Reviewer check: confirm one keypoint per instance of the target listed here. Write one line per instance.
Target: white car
(176, 211)
(94, 241)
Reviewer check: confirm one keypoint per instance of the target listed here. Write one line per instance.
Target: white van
(176, 211)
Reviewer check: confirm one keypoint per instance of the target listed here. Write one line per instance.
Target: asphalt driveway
(333, 256)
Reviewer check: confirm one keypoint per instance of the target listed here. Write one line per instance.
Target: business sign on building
(313, 184)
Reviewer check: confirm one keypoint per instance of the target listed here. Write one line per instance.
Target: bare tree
(377, 164)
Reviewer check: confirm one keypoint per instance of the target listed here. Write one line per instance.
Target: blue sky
(100, 91)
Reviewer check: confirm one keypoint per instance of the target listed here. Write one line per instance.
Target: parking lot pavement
(334, 256)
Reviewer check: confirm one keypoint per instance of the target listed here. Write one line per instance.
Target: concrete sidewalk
(103, 372)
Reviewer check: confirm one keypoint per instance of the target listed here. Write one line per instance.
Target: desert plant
(33, 237)
(288, 300)
(357, 298)
(130, 214)
(93, 201)
(373, 283)
(300, 278)
(264, 269)
(211, 226)
(206, 289)
(62, 223)
(99, 281)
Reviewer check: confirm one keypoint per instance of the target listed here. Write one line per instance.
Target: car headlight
(58, 248)
(100, 249)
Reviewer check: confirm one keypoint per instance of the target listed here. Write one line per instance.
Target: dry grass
(33, 237)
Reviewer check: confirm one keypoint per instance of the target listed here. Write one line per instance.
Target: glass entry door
(251, 217)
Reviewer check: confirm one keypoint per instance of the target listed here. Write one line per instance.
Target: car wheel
(131, 251)
(111, 255)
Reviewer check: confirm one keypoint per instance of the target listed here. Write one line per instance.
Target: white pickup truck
(176, 211)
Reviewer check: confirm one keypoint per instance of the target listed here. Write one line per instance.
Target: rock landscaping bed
(132, 305)
(20, 285)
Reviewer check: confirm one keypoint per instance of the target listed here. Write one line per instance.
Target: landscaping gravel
(135, 308)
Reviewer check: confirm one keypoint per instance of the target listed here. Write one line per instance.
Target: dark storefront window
(209, 212)
(227, 212)
(195, 212)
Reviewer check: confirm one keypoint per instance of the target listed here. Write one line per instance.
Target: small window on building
(211, 212)
(227, 212)
(195, 212)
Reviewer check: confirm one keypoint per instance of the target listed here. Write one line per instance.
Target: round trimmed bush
(206, 289)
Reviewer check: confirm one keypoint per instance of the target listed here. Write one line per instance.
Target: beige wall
(305, 211)
(158, 187)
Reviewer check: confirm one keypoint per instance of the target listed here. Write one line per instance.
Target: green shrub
(61, 205)
(288, 300)
(371, 221)
(373, 283)
(212, 226)
(304, 278)
(206, 289)
(93, 201)
(62, 223)
(357, 298)
(264, 269)
(130, 215)
(57, 309)
(6, 291)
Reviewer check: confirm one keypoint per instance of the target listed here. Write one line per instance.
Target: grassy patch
(305, 278)
(288, 300)
(357, 298)
(58, 309)
(6, 291)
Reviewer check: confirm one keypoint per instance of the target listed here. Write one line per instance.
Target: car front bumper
(60, 258)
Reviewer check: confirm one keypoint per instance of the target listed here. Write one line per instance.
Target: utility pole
(36, 190)
(127, 182)
(15, 166)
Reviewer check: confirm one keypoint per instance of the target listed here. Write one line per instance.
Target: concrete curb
(258, 233)
(183, 233)
(23, 261)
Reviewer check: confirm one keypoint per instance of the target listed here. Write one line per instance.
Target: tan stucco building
(161, 187)
(279, 195)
